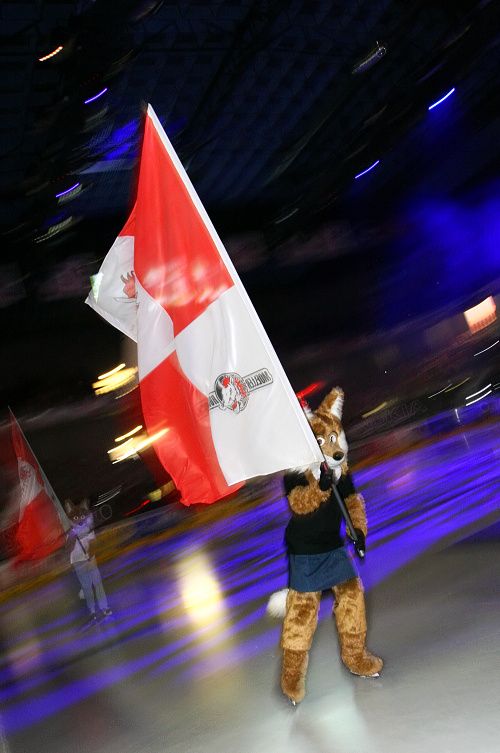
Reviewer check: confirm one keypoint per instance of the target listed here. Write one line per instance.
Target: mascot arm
(303, 492)
(356, 506)
(354, 502)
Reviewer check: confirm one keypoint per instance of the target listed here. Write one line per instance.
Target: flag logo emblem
(232, 391)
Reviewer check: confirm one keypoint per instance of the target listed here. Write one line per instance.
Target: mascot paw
(364, 665)
(293, 675)
(276, 606)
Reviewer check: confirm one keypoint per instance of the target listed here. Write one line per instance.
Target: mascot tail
(276, 606)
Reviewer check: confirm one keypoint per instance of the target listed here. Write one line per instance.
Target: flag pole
(360, 551)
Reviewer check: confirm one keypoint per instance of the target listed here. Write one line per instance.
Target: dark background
(273, 108)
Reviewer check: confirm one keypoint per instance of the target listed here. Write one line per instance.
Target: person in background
(81, 539)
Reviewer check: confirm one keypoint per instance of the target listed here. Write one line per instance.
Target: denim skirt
(318, 572)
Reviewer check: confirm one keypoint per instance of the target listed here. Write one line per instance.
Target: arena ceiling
(273, 107)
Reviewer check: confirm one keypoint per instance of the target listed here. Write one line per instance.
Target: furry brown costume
(314, 532)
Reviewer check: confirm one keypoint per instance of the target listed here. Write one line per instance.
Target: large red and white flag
(213, 391)
(42, 520)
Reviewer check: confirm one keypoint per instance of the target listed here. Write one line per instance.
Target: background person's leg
(100, 593)
(85, 578)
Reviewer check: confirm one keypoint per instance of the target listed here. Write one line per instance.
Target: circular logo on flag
(26, 471)
(231, 392)
(30, 485)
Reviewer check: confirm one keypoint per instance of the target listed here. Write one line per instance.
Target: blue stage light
(367, 170)
(63, 193)
(442, 99)
(92, 99)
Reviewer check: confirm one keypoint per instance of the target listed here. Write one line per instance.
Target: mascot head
(79, 511)
(326, 423)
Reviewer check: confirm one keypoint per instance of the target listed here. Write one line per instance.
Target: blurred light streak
(140, 445)
(480, 316)
(106, 496)
(488, 348)
(471, 402)
(121, 143)
(136, 509)
(119, 447)
(96, 96)
(286, 216)
(440, 391)
(442, 99)
(51, 54)
(113, 371)
(68, 190)
(129, 433)
(367, 170)
(468, 397)
(375, 410)
(240, 651)
(54, 229)
(115, 381)
(313, 387)
(165, 489)
(373, 57)
(455, 386)
(76, 691)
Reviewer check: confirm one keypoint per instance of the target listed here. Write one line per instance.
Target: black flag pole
(359, 549)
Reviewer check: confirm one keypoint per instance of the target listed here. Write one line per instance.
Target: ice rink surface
(190, 662)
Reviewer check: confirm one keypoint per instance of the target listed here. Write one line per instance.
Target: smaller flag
(42, 521)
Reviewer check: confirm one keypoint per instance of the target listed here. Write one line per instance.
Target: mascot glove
(326, 477)
(361, 538)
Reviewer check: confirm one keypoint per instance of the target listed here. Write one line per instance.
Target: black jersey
(318, 531)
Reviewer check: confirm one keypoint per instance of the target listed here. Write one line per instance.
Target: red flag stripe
(171, 401)
(176, 262)
(40, 531)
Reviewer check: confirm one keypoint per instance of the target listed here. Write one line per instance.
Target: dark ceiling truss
(251, 35)
(350, 110)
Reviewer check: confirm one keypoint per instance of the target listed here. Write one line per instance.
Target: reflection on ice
(200, 591)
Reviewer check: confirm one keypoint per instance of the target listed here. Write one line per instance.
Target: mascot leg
(349, 611)
(299, 627)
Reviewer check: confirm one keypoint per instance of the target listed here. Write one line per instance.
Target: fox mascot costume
(318, 559)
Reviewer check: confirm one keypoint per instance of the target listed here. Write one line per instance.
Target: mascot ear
(338, 404)
(332, 404)
(68, 506)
